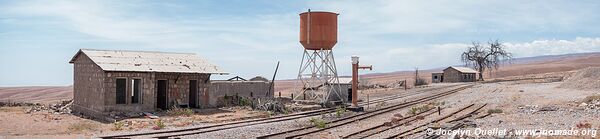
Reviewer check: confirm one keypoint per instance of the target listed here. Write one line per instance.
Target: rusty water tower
(318, 73)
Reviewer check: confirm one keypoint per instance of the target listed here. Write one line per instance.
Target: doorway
(349, 94)
(193, 94)
(161, 94)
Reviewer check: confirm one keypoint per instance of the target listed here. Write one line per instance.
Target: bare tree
(485, 58)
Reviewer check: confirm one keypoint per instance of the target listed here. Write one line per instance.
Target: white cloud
(554, 47)
(451, 16)
(104, 20)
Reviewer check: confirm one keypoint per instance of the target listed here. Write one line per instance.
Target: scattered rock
(269, 104)
(63, 107)
(398, 115)
(549, 108)
(396, 119)
(583, 105)
(388, 124)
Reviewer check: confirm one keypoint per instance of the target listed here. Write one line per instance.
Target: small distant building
(346, 88)
(130, 81)
(454, 74)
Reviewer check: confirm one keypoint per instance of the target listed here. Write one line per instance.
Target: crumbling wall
(249, 89)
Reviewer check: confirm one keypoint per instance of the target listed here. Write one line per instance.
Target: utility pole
(416, 76)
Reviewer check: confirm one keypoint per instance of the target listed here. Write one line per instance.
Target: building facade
(455, 74)
(437, 77)
(126, 81)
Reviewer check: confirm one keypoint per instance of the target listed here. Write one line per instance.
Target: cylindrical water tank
(318, 30)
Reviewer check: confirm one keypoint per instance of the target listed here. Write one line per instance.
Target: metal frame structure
(318, 75)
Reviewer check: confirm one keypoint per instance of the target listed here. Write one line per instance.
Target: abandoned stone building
(454, 74)
(115, 80)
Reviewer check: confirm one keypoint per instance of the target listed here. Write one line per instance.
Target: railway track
(343, 121)
(423, 127)
(237, 124)
(387, 126)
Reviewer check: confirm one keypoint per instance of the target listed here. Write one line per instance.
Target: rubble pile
(584, 79)
(594, 104)
(63, 107)
(269, 104)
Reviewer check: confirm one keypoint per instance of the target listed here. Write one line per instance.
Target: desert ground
(535, 93)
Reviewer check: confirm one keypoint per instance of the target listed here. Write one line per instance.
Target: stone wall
(254, 89)
(88, 85)
(177, 92)
(452, 75)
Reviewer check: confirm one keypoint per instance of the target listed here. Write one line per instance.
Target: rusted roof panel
(147, 61)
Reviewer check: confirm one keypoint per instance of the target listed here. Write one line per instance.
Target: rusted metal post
(355, 68)
(439, 111)
(279, 94)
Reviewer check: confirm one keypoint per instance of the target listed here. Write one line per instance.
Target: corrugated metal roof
(147, 61)
(464, 69)
(345, 80)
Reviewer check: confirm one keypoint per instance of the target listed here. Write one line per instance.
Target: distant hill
(36, 94)
(516, 67)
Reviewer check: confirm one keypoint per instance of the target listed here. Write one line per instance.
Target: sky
(247, 38)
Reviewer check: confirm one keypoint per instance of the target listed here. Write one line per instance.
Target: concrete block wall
(148, 91)
(219, 89)
(88, 85)
(178, 84)
(177, 92)
(451, 75)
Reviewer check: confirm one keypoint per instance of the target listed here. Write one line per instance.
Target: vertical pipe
(308, 28)
(354, 80)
